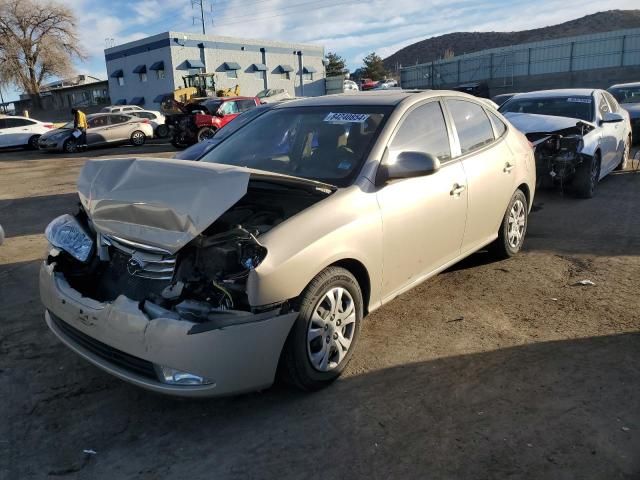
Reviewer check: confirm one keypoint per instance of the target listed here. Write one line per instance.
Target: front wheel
(513, 227)
(325, 333)
(33, 142)
(138, 138)
(70, 146)
(162, 131)
(587, 176)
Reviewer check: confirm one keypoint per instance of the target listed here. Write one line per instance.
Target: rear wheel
(586, 177)
(162, 131)
(513, 228)
(33, 142)
(325, 333)
(138, 138)
(205, 133)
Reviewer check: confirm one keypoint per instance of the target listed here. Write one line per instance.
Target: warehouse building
(590, 61)
(140, 72)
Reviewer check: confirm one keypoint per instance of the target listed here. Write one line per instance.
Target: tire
(178, 143)
(70, 146)
(303, 360)
(625, 155)
(162, 131)
(586, 177)
(205, 133)
(138, 138)
(513, 227)
(33, 142)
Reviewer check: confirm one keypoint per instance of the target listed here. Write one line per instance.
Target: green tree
(336, 65)
(374, 67)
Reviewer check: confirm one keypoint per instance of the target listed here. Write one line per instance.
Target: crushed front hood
(533, 123)
(158, 202)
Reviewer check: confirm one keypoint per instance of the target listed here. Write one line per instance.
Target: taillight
(145, 120)
(48, 125)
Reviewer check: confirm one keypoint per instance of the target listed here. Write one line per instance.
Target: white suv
(121, 109)
(21, 131)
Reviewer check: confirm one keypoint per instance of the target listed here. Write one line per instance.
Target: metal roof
(195, 64)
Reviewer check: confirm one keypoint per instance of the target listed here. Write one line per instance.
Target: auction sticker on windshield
(579, 100)
(347, 117)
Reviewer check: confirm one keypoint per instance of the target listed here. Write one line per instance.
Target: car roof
(562, 92)
(379, 97)
(630, 84)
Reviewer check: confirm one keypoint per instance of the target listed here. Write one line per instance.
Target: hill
(468, 42)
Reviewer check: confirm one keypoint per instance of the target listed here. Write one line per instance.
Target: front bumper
(122, 340)
(50, 145)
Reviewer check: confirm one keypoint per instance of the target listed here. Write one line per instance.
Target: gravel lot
(490, 370)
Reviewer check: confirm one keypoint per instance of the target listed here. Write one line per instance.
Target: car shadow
(30, 215)
(480, 415)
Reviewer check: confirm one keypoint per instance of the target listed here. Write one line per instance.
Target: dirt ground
(491, 370)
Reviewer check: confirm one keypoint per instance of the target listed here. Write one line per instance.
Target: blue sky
(351, 28)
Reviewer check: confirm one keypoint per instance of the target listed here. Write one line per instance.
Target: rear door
(423, 218)
(119, 129)
(489, 167)
(97, 130)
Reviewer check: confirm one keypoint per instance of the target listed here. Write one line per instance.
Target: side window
(18, 122)
(603, 106)
(244, 105)
(498, 125)
(613, 103)
(98, 122)
(473, 126)
(3, 123)
(115, 119)
(423, 130)
(229, 108)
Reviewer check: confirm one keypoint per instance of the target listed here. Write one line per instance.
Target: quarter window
(422, 130)
(473, 127)
(498, 125)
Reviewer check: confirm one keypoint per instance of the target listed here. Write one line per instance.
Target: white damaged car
(580, 135)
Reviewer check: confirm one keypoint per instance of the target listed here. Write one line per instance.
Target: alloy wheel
(517, 222)
(137, 138)
(331, 329)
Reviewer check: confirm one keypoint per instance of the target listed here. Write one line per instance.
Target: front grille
(144, 261)
(123, 360)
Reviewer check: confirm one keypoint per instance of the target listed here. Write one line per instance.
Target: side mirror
(407, 165)
(611, 117)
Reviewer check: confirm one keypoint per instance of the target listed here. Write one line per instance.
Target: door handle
(457, 190)
(508, 167)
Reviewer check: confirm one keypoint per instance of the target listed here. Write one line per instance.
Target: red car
(202, 119)
(368, 84)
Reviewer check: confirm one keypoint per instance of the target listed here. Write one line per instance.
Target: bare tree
(39, 41)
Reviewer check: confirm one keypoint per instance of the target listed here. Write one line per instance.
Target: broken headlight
(173, 376)
(66, 233)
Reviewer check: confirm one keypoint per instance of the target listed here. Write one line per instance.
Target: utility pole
(202, 5)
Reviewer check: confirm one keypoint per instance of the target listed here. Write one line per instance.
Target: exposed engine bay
(206, 276)
(559, 153)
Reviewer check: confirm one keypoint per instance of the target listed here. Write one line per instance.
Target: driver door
(423, 218)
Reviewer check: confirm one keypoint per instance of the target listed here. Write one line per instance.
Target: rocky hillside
(467, 42)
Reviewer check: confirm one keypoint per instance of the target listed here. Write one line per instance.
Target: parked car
(21, 132)
(200, 278)
(271, 95)
(368, 84)
(501, 98)
(156, 119)
(104, 129)
(350, 86)
(198, 150)
(580, 135)
(202, 119)
(477, 89)
(628, 96)
(121, 109)
(386, 85)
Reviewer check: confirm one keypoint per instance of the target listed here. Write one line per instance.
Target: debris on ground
(457, 319)
(584, 283)
(89, 451)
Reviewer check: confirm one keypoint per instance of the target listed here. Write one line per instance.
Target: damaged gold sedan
(205, 278)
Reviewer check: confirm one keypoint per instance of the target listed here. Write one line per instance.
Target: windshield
(580, 107)
(626, 94)
(327, 144)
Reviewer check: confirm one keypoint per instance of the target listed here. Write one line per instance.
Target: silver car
(201, 278)
(103, 129)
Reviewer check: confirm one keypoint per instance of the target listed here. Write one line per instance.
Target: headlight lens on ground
(173, 376)
(66, 233)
